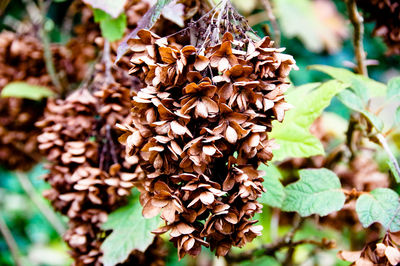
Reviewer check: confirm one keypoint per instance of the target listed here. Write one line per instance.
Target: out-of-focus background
(313, 31)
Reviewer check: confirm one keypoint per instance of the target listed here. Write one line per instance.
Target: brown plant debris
(199, 130)
(386, 15)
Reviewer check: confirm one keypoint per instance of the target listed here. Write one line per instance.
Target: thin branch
(47, 212)
(357, 22)
(48, 56)
(386, 147)
(107, 62)
(274, 23)
(10, 241)
(270, 249)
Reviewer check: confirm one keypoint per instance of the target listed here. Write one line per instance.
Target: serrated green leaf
(394, 171)
(25, 90)
(113, 8)
(374, 88)
(296, 142)
(293, 134)
(380, 206)
(111, 28)
(275, 191)
(130, 231)
(317, 192)
(393, 88)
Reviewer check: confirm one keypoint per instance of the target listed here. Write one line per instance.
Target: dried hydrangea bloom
(386, 15)
(22, 59)
(200, 130)
(89, 174)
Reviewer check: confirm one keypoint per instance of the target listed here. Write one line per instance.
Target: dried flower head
(199, 129)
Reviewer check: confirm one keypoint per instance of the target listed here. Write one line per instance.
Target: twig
(270, 249)
(48, 57)
(107, 62)
(274, 23)
(38, 201)
(386, 147)
(10, 241)
(357, 22)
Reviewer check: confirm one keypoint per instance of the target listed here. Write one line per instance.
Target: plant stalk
(358, 24)
(47, 212)
(10, 241)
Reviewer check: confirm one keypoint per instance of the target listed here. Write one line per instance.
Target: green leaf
(111, 28)
(380, 206)
(275, 191)
(130, 231)
(293, 134)
(393, 88)
(397, 116)
(146, 22)
(374, 88)
(113, 8)
(373, 119)
(25, 90)
(317, 192)
(352, 101)
(394, 171)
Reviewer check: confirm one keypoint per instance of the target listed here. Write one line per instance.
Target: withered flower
(200, 131)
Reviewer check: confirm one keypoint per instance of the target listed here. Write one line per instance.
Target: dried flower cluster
(21, 59)
(386, 14)
(88, 173)
(200, 131)
(386, 252)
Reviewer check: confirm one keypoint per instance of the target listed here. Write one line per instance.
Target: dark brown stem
(270, 249)
(10, 241)
(274, 23)
(357, 22)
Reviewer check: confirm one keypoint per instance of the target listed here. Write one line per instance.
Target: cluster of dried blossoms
(385, 252)
(200, 131)
(22, 59)
(386, 14)
(87, 33)
(88, 173)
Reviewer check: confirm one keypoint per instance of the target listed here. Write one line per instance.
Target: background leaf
(130, 231)
(275, 191)
(393, 88)
(25, 90)
(111, 28)
(320, 27)
(293, 133)
(317, 192)
(374, 88)
(114, 8)
(380, 206)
